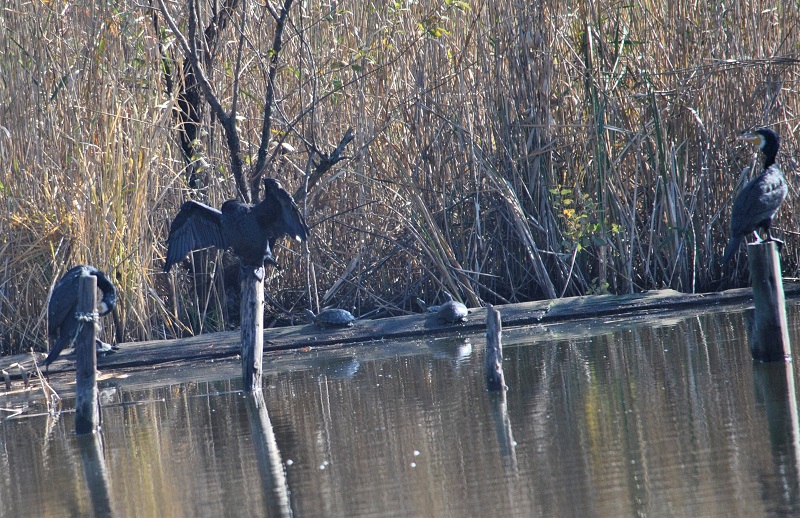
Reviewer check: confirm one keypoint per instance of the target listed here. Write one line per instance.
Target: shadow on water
(671, 418)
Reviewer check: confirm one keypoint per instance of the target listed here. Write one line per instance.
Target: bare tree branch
(325, 164)
(266, 128)
(186, 89)
(190, 52)
(228, 121)
(238, 68)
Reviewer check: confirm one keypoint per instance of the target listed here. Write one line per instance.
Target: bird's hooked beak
(104, 308)
(753, 138)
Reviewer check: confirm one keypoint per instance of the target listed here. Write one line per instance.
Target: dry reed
(503, 151)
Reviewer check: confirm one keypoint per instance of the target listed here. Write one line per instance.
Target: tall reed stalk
(504, 152)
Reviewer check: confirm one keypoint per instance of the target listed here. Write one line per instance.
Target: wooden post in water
(495, 380)
(769, 334)
(87, 405)
(252, 321)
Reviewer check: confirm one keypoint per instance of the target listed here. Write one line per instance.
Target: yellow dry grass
(504, 151)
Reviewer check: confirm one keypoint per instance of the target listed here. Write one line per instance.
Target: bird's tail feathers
(731, 248)
(62, 342)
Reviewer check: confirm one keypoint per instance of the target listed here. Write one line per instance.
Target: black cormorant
(250, 230)
(62, 324)
(759, 200)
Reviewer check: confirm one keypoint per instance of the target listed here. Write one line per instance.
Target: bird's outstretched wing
(195, 227)
(282, 216)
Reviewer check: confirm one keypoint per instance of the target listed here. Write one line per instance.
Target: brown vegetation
(503, 151)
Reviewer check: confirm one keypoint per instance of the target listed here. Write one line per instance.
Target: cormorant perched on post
(250, 230)
(62, 323)
(759, 200)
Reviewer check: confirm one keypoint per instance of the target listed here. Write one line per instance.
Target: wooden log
(769, 334)
(639, 307)
(252, 323)
(495, 380)
(87, 405)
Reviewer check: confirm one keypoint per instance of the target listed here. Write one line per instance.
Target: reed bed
(504, 152)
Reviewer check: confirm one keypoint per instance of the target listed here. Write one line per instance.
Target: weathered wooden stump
(769, 334)
(24, 375)
(87, 405)
(496, 384)
(495, 380)
(252, 323)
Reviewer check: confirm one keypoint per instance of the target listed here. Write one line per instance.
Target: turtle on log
(451, 312)
(331, 317)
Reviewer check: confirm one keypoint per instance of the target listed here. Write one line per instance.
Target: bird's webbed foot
(778, 242)
(104, 349)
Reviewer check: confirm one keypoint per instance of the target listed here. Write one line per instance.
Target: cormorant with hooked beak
(759, 200)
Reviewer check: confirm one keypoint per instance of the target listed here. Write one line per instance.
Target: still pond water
(662, 419)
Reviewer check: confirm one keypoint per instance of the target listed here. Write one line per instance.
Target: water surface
(666, 419)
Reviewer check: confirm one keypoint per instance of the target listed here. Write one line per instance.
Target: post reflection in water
(503, 430)
(602, 419)
(268, 457)
(93, 461)
(774, 386)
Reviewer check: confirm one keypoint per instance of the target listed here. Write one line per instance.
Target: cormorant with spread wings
(250, 230)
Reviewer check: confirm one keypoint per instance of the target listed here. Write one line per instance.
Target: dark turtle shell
(453, 312)
(333, 317)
